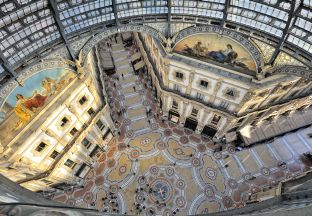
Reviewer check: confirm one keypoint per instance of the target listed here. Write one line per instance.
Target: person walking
(133, 88)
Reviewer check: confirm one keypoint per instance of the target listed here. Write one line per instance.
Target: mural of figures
(25, 101)
(217, 48)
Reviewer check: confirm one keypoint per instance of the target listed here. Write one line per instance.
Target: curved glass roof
(28, 27)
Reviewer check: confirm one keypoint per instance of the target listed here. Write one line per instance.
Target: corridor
(157, 168)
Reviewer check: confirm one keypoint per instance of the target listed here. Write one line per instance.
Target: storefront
(191, 123)
(209, 131)
(173, 116)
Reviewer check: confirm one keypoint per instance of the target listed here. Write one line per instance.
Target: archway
(118, 29)
(209, 131)
(173, 116)
(191, 123)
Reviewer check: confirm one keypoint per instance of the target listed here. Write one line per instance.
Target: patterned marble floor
(157, 168)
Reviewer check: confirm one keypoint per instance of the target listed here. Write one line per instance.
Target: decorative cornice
(118, 29)
(293, 70)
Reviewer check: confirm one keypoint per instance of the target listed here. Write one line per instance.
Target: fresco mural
(217, 48)
(25, 101)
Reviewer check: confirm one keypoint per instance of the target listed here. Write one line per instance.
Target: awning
(136, 56)
(139, 65)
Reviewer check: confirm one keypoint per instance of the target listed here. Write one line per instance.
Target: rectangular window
(69, 163)
(100, 124)
(199, 96)
(177, 88)
(224, 104)
(194, 112)
(83, 100)
(64, 121)
(40, 147)
(86, 143)
(175, 105)
(204, 83)
(73, 131)
(179, 75)
(91, 111)
(54, 154)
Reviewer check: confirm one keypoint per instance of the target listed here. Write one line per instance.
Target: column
(190, 84)
(199, 129)
(215, 91)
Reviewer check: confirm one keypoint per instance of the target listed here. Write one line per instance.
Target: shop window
(82, 100)
(91, 111)
(73, 131)
(54, 154)
(69, 163)
(179, 75)
(194, 112)
(41, 146)
(86, 143)
(64, 121)
(175, 104)
(100, 124)
(203, 83)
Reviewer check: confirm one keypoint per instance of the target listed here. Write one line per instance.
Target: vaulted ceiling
(28, 28)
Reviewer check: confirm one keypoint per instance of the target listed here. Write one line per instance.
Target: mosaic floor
(158, 168)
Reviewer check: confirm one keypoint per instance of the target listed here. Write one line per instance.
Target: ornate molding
(28, 72)
(240, 38)
(118, 29)
(293, 70)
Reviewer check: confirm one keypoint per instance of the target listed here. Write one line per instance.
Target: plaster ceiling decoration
(285, 59)
(176, 27)
(266, 49)
(161, 27)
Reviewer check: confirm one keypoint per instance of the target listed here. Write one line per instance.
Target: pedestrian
(149, 121)
(122, 75)
(114, 84)
(133, 88)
